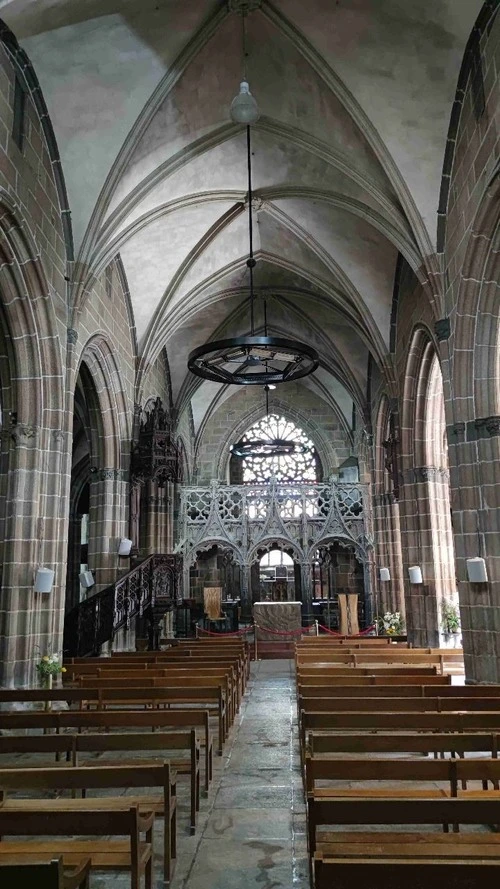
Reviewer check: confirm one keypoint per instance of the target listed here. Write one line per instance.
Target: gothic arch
(270, 543)
(477, 329)
(109, 404)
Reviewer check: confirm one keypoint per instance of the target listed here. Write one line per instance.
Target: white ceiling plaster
(153, 255)
(356, 98)
(400, 60)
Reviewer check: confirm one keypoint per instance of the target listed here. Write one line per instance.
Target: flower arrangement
(49, 665)
(390, 624)
(450, 617)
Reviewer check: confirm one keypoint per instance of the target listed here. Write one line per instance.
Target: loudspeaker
(87, 579)
(476, 570)
(44, 580)
(124, 547)
(415, 573)
(385, 574)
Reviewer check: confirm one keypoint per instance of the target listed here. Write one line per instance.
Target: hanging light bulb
(244, 108)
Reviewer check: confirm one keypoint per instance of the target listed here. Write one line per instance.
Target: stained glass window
(288, 463)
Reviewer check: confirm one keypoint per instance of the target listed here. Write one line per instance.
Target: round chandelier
(252, 360)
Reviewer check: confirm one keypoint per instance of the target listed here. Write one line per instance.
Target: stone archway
(101, 415)
(34, 477)
(425, 501)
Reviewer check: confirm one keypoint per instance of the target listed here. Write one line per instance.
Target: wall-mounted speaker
(385, 574)
(476, 570)
(415, 574)
(87, 579)
(124, 547)
(44, 580)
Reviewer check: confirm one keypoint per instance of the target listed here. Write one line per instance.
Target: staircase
(153, 585)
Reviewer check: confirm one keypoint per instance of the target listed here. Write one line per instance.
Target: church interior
(249, 442)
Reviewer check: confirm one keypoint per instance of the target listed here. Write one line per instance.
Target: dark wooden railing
(95, 621)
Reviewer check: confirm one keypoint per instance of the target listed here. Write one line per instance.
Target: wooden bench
(352, 679)
(410, 721)
(335, 869)
(169, 679)
(101, 777)
(367, 770)
(455, 744)
(49, 875)
(146, 741)
(171, 696)
(133, 854)
(398, 704)
(413, 846)
(446, 659)
(94, 719)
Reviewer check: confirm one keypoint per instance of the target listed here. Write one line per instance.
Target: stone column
(417, 539)
(474, 456)
(37, 498)
(108, 523)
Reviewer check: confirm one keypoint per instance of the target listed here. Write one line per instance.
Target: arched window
(276, 447)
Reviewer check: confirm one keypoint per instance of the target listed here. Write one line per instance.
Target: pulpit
(285, 618)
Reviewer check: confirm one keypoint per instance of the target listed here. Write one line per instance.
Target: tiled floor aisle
(252, 827)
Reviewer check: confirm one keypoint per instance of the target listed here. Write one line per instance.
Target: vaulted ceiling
(355, 98)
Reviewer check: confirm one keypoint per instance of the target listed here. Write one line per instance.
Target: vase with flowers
(47, 667)
(390, 624)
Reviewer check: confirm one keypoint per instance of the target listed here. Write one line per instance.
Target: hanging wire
(244, 35)
(250, 260)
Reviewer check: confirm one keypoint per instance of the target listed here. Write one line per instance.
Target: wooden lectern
(348, 611)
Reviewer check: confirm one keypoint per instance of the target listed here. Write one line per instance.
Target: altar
(283, 617)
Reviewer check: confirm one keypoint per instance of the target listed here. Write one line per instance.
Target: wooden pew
(342, 768)
(133, 854)
(341, 670)
(320, 742)
(108, 719)
(405, 722)
(140, 741)
(392, 873)
(101, 777)
(130, 697)
(444, 659)
(49, 875)
(327, 813)
(398, 704)
(168, 679)
(352, 679)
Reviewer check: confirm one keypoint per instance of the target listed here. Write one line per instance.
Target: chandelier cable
(250, 261)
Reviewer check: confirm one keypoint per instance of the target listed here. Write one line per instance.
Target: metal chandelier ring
(208, 361)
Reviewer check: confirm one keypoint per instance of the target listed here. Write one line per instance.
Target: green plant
(391, 623)
(49, 665)
(450, 617)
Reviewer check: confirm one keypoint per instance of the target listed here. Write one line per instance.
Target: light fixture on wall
(415, 574)
(476, 570)
(252, 360)
(385, 575)
(44, 580)
(124, 547)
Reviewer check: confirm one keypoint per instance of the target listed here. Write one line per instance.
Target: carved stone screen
(298, 466)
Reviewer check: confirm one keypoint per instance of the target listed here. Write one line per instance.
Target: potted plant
(450, 620)
(47, 667)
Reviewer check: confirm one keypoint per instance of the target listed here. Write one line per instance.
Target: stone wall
(470, 235)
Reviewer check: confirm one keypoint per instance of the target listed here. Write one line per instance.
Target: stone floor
(252, 827)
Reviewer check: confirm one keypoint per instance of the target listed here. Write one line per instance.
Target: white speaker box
(87, 579)
(44, 580)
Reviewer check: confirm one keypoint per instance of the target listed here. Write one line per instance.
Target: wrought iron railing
(96, 620)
